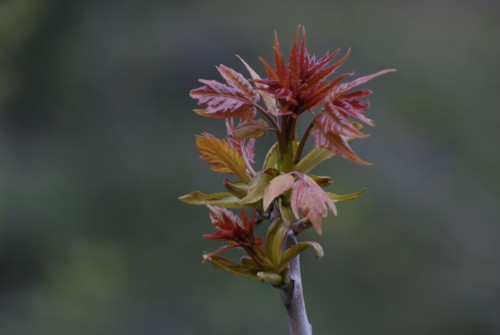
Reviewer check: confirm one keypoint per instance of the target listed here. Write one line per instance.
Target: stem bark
(292, 294)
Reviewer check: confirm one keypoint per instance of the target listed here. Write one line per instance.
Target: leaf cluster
(283, 189)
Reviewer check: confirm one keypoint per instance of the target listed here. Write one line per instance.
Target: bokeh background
(97, 142)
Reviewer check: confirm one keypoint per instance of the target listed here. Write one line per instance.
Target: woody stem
(292, 295)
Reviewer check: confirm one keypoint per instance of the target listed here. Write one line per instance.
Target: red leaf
(333, 120)
(236, 99)
(336, 144)
(230, 228)
(312, 200)
(301, 82)
(361, 80)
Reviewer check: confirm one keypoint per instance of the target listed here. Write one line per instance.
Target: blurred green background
(97, 142)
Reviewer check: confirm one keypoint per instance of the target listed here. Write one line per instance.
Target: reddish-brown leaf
(237, 99)
(312, 200)
(333, 120)
(301, 82)
(238, 232)
(336, 144)
(333, 124)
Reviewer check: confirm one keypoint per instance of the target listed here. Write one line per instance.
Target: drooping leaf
(222, 158)
(237, 99)
(345, 197)
(312, 200)
(294, 251)
(277, 187)
(255, 128)
(226, 200)
(256, 188)
(332, 120)
(335, 144)
(313, 159)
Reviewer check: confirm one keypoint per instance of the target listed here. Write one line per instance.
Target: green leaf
(238, 188)
(235, 268)
(271, 160)
(286, 213)
(256, 189)
(345, 197)
(222, 199)
(274, 240)
(294, 251)
(249, 262)
(313, 159)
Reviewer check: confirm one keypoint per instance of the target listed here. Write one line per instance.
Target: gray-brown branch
(292, 295)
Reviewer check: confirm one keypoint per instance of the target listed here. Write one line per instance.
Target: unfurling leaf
(226, 200)
(237, 99)
(345, 197)
(222, 158)
(312, 200)
(274, 240)
(277, 187)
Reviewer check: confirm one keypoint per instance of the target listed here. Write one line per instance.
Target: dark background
(97, 142)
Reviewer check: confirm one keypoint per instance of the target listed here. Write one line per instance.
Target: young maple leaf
(308, 196)
(237, 99)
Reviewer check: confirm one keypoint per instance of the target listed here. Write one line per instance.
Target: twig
(292, 295)
(301, 225)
